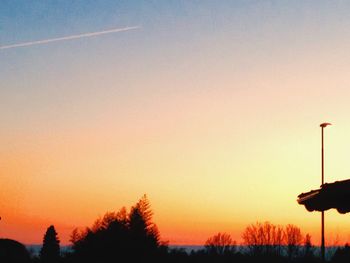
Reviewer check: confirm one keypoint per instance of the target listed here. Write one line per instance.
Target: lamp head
(325, 124)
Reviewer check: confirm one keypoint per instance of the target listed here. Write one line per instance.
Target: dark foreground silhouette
(133, 237)
(330, 195)
(12, 251)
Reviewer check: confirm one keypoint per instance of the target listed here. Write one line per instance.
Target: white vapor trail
(91, 34)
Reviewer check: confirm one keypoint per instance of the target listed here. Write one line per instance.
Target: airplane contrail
(91, 34)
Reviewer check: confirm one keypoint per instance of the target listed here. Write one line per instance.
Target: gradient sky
(211, 108)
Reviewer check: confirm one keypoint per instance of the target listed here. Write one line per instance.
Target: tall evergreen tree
(50, 251)
(141, 224)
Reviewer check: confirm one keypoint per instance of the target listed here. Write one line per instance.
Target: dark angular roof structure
(333, 195)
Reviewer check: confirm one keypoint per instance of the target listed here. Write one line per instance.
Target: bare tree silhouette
(220, 244)
(308, 252)
(264, 238)
(294, 239)
(269, 239)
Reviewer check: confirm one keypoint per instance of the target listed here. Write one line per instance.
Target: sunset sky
(211, 108)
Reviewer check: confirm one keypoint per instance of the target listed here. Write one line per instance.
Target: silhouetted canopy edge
(330, 195)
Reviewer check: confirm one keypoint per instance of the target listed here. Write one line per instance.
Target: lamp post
(322, 125)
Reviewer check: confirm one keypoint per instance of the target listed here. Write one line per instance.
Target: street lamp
(322, 125)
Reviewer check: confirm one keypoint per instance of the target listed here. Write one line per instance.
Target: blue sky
(230, 37)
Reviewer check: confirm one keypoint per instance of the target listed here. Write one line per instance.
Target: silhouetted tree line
(120, 235)
(133, 237)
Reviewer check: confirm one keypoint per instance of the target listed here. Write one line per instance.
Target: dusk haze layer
(210, 108)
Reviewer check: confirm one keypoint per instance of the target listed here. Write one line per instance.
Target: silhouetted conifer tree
(50, 251)
(143, 232)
